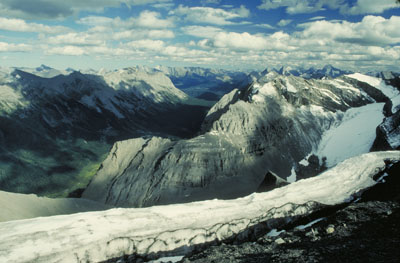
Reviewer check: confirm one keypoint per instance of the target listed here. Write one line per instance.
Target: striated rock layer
(270, 126)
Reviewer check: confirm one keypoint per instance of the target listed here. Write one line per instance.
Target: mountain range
(175, 173)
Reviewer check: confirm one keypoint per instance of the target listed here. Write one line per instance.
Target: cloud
(369, 7)
(66, 50)
(73, 38)
(143, 34)
(214, 2)
(99, 21)
(300, 6)
(145, 2)
(268, 26)
(317, 18)
(151, 19)
(155, 45)
(311, 6)
(284, 22)
(372, 30)
(53, 9)
(201, 31)
(9, 47)
(208, 15)
(341, 43)
(240, 41)
(19, 25)
(146, 19)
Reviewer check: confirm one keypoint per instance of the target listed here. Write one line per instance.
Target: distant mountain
(44, 71)
(269, 127)
(313, 73)
(55, 131)
(196, 81)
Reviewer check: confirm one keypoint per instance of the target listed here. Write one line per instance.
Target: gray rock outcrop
(267, 127)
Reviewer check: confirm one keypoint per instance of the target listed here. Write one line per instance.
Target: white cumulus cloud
(19, 25)
(10, 47)
(208, 15)
(369, 7)
(284, 22)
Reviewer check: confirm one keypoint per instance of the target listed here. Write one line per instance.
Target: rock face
(271, 125)
(388, 134)
(270, 182)
(55, 131)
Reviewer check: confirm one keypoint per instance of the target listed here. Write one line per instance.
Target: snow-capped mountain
(313, 73)
(52, 128)
(271, 126)
(175, 230)
(45, 71)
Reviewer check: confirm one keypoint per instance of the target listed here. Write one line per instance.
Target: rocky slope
(55, 131)
(270, 126)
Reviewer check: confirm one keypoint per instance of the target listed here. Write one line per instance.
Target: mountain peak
(43, 67)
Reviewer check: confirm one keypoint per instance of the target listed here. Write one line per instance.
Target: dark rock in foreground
(365, 231)
(362, 232)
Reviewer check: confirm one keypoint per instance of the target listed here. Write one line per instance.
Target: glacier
(171, 230)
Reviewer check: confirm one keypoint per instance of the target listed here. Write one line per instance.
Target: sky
(357, 35)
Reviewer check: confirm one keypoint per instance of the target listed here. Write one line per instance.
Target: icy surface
(292, 177)
(10, 99)
(274, 233)
(302, 227)
(353, 136)
(97, 236)
(167, 259)
(380, 84)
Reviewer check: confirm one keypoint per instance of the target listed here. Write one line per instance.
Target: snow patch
(274, 232)
(302, 227)
(392, 93)
(291, 88)
(353, 136)
(292, 177)
(260, 92)
(167, 259)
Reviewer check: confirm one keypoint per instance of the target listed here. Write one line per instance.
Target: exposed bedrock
(271, 125)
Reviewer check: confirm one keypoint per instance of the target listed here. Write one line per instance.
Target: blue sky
(354, 34)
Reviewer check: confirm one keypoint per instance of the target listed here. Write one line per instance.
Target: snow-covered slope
(270, 126)
(353, 136)
(98, 236)
(392, 93)
(20, 206)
